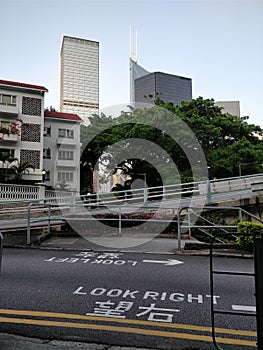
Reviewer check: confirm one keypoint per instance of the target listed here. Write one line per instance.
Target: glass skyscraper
(136, 71)
(79, 77)
(168, 87)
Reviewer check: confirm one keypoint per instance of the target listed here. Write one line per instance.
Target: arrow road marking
(244, 308)
(168, 262)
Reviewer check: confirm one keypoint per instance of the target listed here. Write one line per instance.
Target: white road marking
(168, 262)
(244, 308)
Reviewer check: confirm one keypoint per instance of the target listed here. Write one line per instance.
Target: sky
(216, 43)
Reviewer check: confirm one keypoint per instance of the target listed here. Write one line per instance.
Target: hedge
(249, 230)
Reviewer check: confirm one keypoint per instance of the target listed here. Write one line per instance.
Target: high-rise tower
(168, 87)
(79, 77)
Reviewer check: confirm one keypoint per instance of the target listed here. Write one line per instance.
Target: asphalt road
(126, 299)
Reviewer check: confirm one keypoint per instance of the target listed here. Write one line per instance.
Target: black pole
(258, 260)
(1, 249)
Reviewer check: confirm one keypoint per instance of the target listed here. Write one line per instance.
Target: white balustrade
(18, 192)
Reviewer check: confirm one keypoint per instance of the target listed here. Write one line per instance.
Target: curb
(198, 252)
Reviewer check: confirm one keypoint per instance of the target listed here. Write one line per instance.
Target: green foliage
(227, 141)
(20, 169)
(249, 230)
(6, 159)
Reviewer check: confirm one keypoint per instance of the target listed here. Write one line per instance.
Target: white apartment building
(61, 151)
(79, 77)
(22, 124)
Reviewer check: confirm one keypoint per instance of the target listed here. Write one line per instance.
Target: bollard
(258, 261)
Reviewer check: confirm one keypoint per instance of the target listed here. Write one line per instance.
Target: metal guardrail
(257, 274)
(1, 250)
(187, 224)
(144, 197)
(48, 218)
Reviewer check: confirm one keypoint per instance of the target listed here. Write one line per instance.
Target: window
(8, 150)
(8, 99)
(46, 153)
(5, 127)
(68, 133)
(47, 131)
(63, 176)
(66, 155)
(61, 132)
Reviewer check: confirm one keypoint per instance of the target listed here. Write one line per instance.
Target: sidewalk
(151, 245)
(15, 342)
(123, 244)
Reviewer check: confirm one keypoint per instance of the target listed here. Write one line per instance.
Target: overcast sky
(216, 43)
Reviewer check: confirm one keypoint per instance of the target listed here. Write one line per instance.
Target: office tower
(79, 77)
(168, 87)
(230, 107)
(136, 71)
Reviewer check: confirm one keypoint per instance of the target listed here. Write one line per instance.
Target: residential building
(79, 77)
(230, 107)
(168, 87)
(61, 151)
(22, 124)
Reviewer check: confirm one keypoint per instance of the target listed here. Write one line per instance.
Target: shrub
(249, 230)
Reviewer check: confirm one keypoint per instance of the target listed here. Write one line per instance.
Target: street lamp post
(43, 175)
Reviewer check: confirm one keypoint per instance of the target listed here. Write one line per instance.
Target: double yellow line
(125, 329)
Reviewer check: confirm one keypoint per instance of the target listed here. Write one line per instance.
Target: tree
(226, 141)
(20, 169)
(6, 159)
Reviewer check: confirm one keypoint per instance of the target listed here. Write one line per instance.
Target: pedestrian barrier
(1, 249)
(258, 278)
(186, 224)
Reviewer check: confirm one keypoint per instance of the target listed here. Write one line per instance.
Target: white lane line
(244, 308)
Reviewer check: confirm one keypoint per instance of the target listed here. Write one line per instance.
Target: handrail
(42, 219)
(1, 249)
(221, 311)
(181, 209)
(203, 187)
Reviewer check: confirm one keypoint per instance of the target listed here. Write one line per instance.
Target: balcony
(8, 137)
(66, 163)
(66, 141)
(8, 111)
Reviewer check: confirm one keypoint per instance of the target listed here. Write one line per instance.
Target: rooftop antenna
(134, 55)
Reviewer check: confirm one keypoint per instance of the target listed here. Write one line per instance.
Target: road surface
(143, 300)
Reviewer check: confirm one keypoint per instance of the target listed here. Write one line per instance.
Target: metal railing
(29, 221)
(257, 274)
(187, 225)
(10, 192)
(1, 249)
